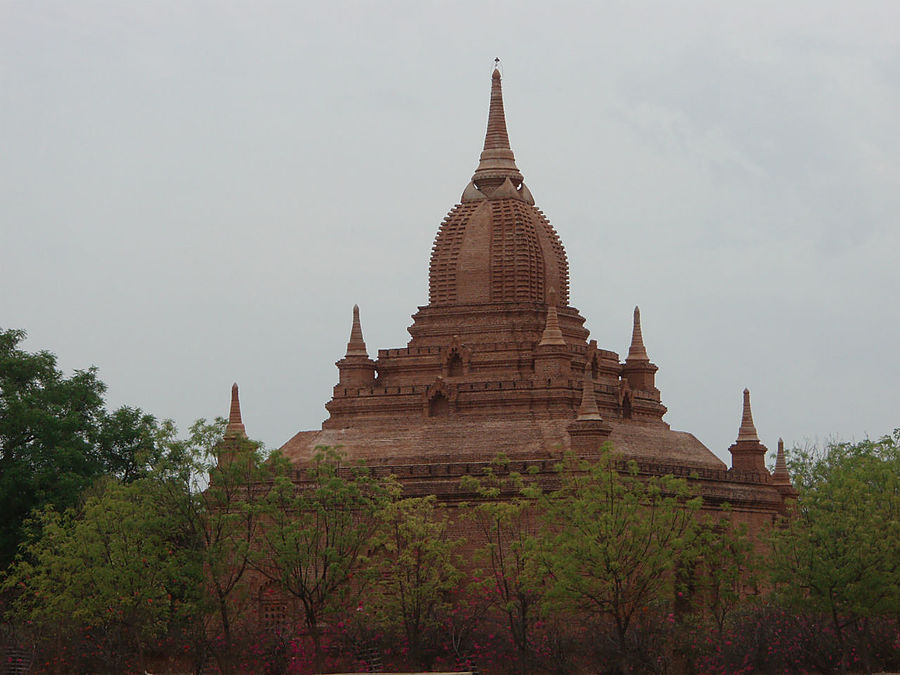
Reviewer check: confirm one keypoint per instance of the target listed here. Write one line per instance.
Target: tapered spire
(235, 426)
(747, 431)
(496, 137)
(356, 346)
(497, 162)
(588, 409)
(552, 333)
(637, 351)
(588, 432)
(780, 475)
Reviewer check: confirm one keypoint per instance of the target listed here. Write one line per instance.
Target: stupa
(499, 362)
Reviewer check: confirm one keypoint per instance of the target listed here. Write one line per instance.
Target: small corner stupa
(499, 362)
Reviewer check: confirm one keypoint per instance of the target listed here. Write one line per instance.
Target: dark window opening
(439, 406)
(454, 366)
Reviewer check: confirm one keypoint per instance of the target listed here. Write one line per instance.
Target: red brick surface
(476, 379)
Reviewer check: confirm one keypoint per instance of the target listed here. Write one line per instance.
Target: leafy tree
(132, 443)
(509, 523)
(217, 506)
(318, 534)
(56, 437)
(839, 554)
(616, 541)
(417, 571)
(723, 565)
(112, 566)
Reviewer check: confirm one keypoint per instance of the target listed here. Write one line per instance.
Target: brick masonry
(498, 361)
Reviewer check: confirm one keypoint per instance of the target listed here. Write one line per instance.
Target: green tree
(217, 507)
(318, 535)
(616, 541)
(839, 553)
(112, 565)
(132, 443)
(56, 437)
(723, 566)
(417, 570)
(507, 518)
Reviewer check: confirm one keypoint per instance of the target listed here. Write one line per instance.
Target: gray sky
(197, 193)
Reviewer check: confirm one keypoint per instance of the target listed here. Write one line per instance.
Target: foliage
(507, 520)
(112, 566)
(213, 485)
(839, 555)
(204, 512)
(615, 543)
(723, 567)
(318, 534)
(416, 571)
(56, 437)
(772, 639)
(133, 544)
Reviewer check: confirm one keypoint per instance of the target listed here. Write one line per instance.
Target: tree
(317, 534)
(839, 554)
(723, 564)
(616, 541)
(56, 437)
(112, 566)
(417, 570)
(132, 443)
(218, 509)
(508, 521)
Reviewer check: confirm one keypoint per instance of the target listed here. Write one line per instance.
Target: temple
(499, 362)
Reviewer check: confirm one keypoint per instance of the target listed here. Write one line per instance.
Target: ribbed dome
(501, 250)
(496, 246)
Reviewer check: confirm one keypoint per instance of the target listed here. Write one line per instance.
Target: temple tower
(235, 435)
(356, 368)
(747, 453)
(498, 349)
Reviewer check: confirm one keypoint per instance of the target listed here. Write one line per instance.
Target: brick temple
(499, 362)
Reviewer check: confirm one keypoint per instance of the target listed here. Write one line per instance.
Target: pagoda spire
(781, 479)
(497, 161)
(235, 426)
(747, 453)
(552, 333)
(588, 409)
(356, 368)
(638, 371)
(588, 432)
(496, 137)
(356, 346)
(637, 351)
(780, 475)
(747, 432)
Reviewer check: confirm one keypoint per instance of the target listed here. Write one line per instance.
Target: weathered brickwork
(498, 361)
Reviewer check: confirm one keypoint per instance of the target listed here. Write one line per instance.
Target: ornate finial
(747, 431)
(356, 346)
(552, 334)
(497, 161)
(588, 409)
(235, 426)
(780, 474)
(637, 352)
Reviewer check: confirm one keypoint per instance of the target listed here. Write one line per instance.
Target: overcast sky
(193, 193)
